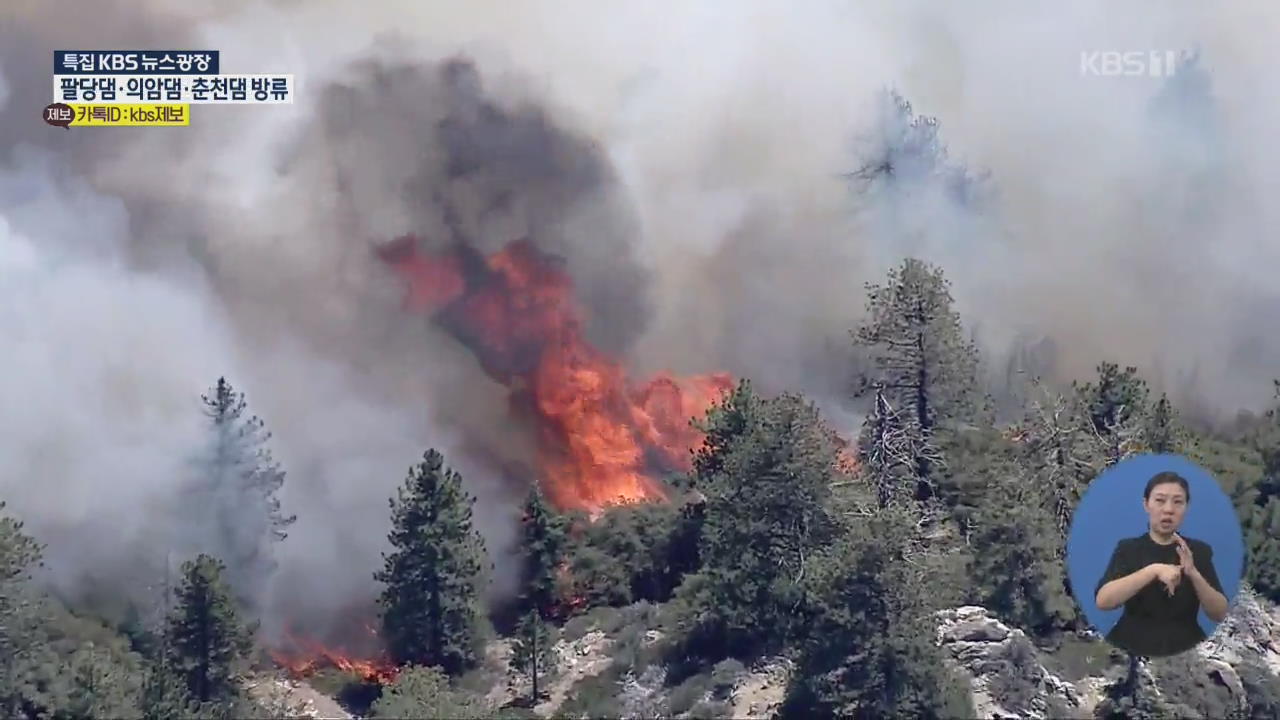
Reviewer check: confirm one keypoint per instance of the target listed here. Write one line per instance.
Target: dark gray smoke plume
(721, 180)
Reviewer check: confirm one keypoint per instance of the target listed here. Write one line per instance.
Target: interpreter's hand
(1185, 559)
(1169, 576)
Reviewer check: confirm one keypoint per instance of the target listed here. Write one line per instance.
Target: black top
(1155, 624)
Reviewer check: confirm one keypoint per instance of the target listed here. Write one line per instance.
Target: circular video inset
(1155, 554)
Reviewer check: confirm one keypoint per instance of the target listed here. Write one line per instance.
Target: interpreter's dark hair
(1164, 478)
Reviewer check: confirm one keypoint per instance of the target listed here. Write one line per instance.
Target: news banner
(151, 87)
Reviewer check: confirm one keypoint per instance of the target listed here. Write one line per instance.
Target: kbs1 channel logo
(153, 88)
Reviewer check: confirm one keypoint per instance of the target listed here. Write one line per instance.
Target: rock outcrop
(1251, 631)
(1004, 669)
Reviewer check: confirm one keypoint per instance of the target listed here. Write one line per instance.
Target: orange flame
(600, 438)
(304, 657)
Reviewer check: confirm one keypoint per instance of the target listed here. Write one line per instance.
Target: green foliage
(688, 693)
(1262, 545)
(1076, 657)
(1018, 574)
(21, 649)
(632, 553)
(870, 650)
(1115, 399)
(923, 359)
(767, 492)
(594, 696)
(236, 495)
(101, 683)
(1164, 432)
(1259, 506)
(431, 612)
(425, 692)
(1134, 696)
(724, 675)
(1010, 685)
(604, 618)
(974, 457)
(1267, 441)
(542, 550)
(164, 694)
(1189, 681)
(207, 644)
(1261, 688)
(533, 653)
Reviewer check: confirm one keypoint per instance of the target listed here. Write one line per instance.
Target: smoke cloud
(721, 179)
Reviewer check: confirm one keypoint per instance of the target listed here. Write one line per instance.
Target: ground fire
(302, 657)
(602, 439)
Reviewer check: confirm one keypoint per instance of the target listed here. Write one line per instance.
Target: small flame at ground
(305, 657)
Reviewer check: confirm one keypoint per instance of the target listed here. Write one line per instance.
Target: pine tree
(767, 493)
(889, 452)
(103, 685)
(1057, 453)
(869, 650)
(904, 153)
(1115, 407)
(207, 644)
(532, 653)
(1018, 572)
(925, 365)
(435, 574)
(237, 496)
(164, 693)
(1164, 434)
(542, 551)
(1267, 442)
(723, 428)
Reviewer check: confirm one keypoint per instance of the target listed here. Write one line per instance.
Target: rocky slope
(1009, 675)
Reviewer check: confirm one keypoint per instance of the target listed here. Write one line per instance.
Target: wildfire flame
(304, 657)
(601, 439)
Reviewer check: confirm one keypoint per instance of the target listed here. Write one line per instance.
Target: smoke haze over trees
(720, 182)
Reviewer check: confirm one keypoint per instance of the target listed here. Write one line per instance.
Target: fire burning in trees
(601, 439)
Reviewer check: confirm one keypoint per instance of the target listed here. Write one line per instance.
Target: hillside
(788, 571)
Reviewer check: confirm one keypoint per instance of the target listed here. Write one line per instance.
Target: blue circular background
(1111, 510)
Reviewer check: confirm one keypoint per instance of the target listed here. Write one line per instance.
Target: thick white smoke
(693, 162)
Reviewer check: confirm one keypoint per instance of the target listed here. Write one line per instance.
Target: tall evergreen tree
(925, 365)
(1267, 442)
(1018, 571)
(207, 643)
(1164, 433)
(237, 493)
(767, 493)
(1115, 407)
(889, 452)
(435, 574)
(1259, 506)
(869, 650)
(532, 652)
(542, 551)
(1057, 454)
